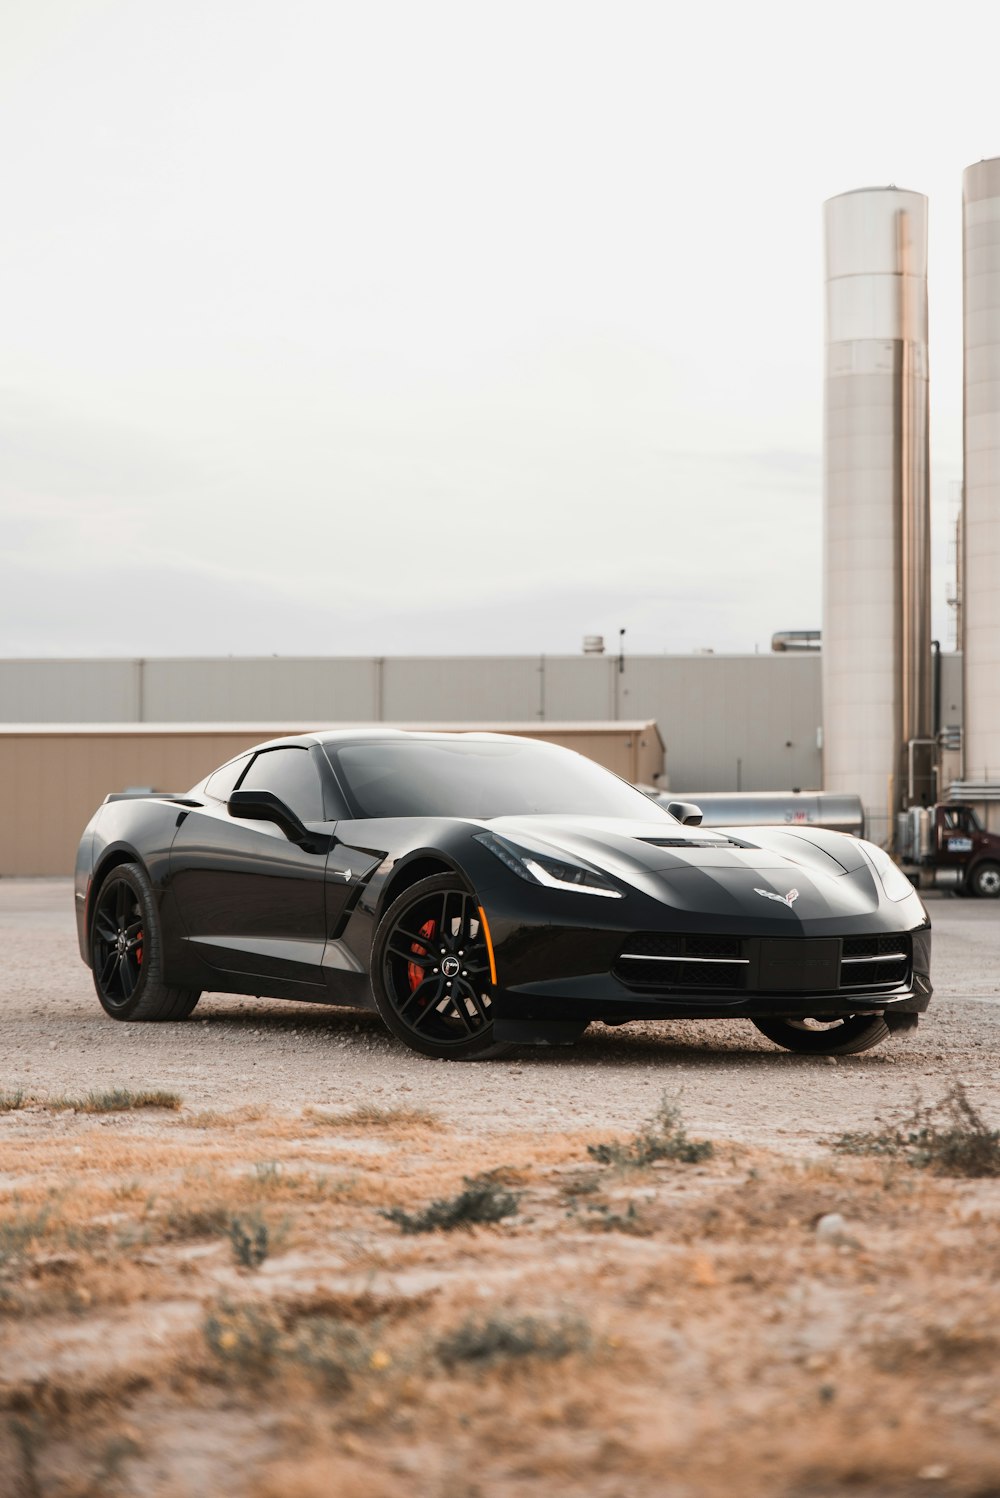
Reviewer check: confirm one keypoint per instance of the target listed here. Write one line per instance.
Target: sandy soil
(205, 1297)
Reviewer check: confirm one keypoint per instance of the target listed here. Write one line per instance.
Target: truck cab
(963, 843)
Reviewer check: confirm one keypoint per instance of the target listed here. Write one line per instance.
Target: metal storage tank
(981, 529)
(876, 614)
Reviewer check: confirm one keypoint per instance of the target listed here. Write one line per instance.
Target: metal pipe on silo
(980, 562)
(876, 607)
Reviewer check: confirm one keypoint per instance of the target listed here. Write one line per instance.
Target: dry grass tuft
(254, 1342)
(481, 1344)
(949, 1138)
(369, 1116)
(250, 1240)
(115, 1100)
(121, 1100)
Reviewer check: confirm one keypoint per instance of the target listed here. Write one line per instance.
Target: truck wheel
(984, 881)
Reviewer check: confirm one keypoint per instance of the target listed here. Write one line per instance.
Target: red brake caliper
(414, 973)
(138, 948)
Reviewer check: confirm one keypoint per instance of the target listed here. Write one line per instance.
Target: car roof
(335, 737)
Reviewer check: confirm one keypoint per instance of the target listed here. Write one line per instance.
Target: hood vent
(694, 842)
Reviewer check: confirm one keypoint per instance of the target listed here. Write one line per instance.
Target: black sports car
(482, 890)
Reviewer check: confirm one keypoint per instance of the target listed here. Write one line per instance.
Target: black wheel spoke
(468, 992)
(423, 1000)
(402, 947)
(105, 928)
(109, 968)
(419, 937)
(433, 1010)
(129, 975)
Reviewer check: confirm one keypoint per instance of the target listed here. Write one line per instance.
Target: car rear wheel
(431, 972)
(984, 881)
(844, 1036)
(126, 952)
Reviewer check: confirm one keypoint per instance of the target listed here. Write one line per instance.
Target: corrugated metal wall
(727, 721)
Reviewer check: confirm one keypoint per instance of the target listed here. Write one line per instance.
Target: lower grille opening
(700, 960)
(875, 961)
(690, 962)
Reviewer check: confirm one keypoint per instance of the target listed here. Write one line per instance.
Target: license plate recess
(809, 966)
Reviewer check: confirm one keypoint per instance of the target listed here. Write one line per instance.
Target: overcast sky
(378, 328)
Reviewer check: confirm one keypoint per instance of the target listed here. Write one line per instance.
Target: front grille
(652, 959)
(672, 961)
(875, 961)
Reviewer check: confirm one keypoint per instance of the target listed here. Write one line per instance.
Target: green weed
(483, 1200)
(663, 1138)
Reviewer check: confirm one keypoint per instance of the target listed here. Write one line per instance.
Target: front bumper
(577, 968)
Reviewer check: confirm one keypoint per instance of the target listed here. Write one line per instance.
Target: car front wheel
(826, 1037)
(431, 972)
(126, 953)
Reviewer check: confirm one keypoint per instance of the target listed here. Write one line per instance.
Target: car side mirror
(265, 806)
(686, 812)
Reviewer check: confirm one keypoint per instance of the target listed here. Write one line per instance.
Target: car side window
(221, 785)
(292, 775)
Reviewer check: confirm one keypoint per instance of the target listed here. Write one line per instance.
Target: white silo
(876, 606)
(981, 528)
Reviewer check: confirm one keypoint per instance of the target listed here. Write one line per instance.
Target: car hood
(780, 874)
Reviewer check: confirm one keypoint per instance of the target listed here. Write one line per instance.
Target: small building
(57, 774)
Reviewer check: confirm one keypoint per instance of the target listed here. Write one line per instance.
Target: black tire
(126, 952)
(436, 922)
(984, 881)
(830, 1037)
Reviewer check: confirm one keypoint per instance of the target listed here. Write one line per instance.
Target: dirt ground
(205, 1297)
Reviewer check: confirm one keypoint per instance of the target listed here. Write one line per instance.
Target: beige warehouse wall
(54, 778)
(61, 779)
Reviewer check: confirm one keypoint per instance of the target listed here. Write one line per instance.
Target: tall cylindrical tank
(876, 604)
(981, 524)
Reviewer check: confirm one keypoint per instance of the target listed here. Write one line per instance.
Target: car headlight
(891, 876)
(553, 873)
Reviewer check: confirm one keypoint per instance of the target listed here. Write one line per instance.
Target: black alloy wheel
(431, 972)
(830, 1036)
(125, 951)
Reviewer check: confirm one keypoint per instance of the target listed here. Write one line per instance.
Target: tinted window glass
(290, 774)
(462, 778)
(222, 783)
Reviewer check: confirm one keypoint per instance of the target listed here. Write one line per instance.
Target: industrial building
(878, 712)
(72, 730)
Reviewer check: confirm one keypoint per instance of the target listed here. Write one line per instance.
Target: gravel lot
(731, 1082)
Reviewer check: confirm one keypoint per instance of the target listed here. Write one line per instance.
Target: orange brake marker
(489, 946)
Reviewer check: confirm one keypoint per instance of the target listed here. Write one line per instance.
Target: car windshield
(481, 779)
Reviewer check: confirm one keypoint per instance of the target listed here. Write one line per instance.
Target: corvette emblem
(788, 899)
